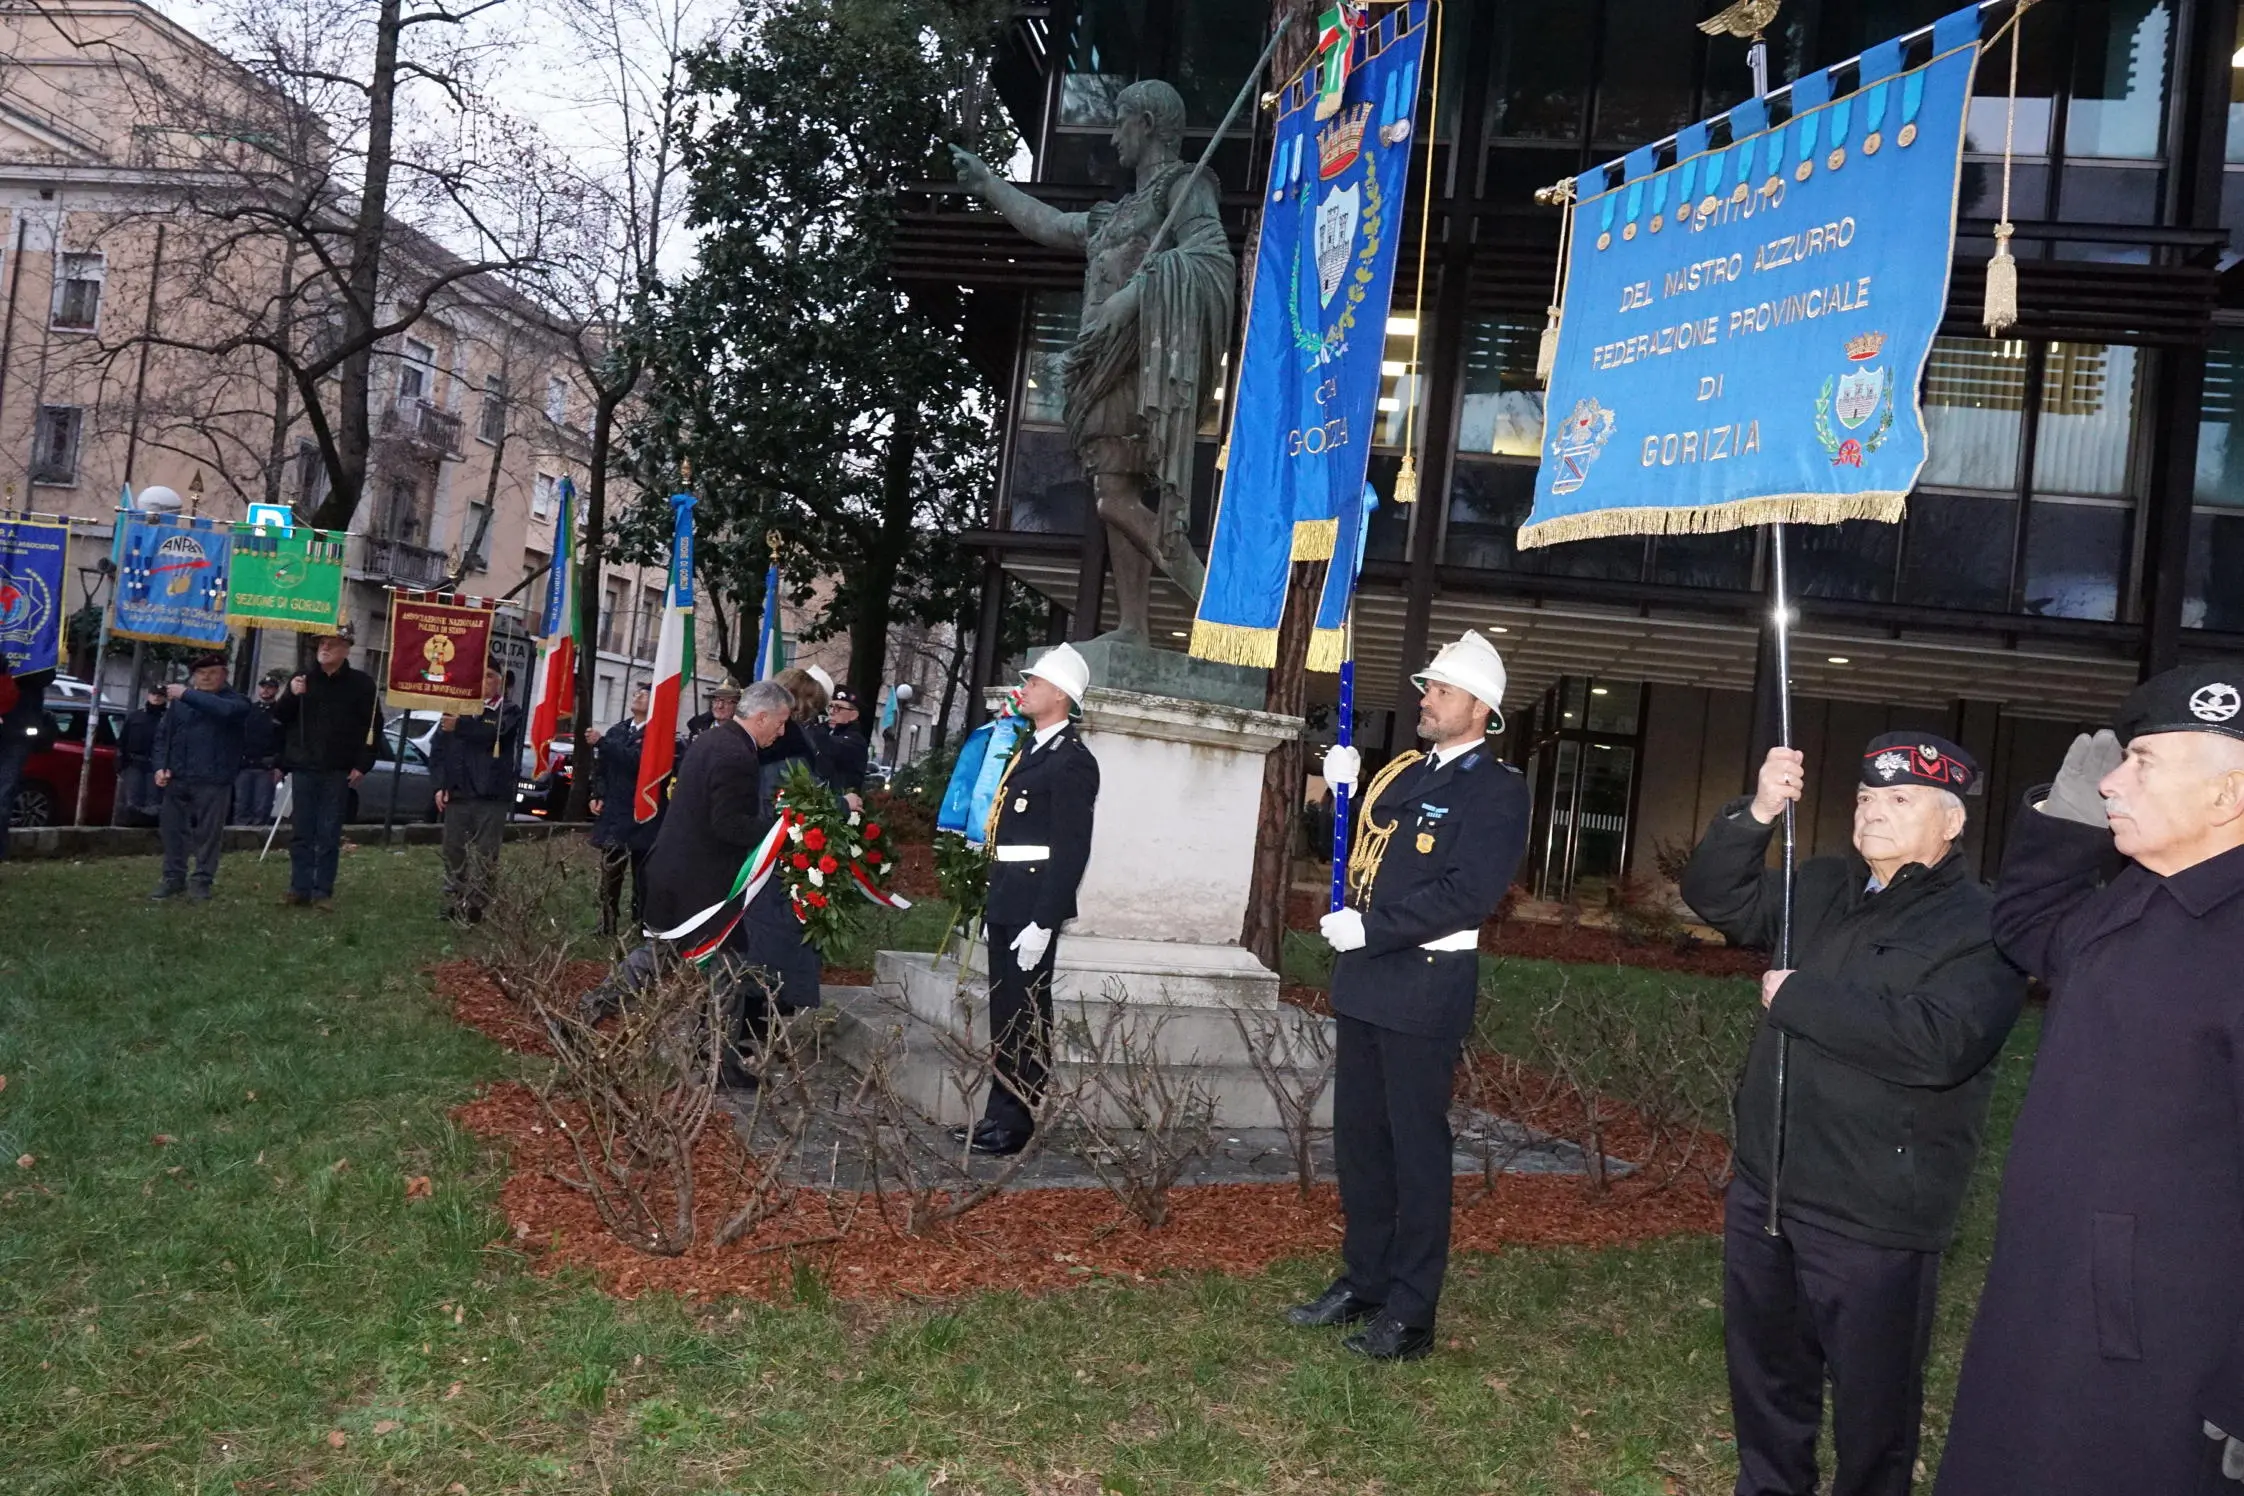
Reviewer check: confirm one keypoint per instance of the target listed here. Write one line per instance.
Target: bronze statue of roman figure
(1153, 323)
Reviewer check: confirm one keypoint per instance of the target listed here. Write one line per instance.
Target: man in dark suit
(717, 811)
(1040, 841)
(476, 763)
(1439, 837)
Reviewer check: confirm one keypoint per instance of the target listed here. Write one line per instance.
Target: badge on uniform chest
(1020, 804)
(1425, 842)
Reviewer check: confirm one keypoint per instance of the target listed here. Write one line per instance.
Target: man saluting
(1440, 835)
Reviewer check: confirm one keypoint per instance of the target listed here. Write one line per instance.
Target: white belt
(1463, 940)
(1024, 854)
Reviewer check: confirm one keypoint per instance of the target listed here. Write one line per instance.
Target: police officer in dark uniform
(1040, 841)
(2108, 1355)
(1851, 1168)
(1440, 835)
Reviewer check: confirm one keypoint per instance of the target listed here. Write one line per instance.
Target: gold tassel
(1546, 351)
(1406, 480)
(2001, 310)
(1223, 455)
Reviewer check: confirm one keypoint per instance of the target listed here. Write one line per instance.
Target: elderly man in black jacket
(1439, 837)
(2108, 1355)
(1860, 1113)
(475, 764)
(328, 718)
(1040, 842)
(198, 752)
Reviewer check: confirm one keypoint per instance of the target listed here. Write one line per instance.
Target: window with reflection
(1399, 381)
(1644, 73)
(1045, 489)
(2118, 102)
(2085, 443)
(1501, 412)
(1217, 44)
(1541, 76)
(1974, 407)
(1054, 319)
(1110, 48)
(2076, 558)
(1956, 550)
(1853, 560)
(2213, 588)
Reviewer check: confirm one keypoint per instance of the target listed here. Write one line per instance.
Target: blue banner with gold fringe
(1749, 308)
(171, 579)
(32, 555)
(1308, 386)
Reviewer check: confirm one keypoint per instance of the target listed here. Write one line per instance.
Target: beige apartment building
(111, 258)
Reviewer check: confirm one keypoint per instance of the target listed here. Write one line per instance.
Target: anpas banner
(32, 555)
(1308, 388)
(1744, 328)
(171, 579)
(437, 654)
(286, 580)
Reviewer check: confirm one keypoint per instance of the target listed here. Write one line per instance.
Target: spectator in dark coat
(23, 706)
(2108, 1356)
(328, 716)
(842, 744)
(137, 801)
(724, 700)
(784, 963)
(1889, 1019)
(475, 763)
(260, 771)
(198, 753)
(615, 822)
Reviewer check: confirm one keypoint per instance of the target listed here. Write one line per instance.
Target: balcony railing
(379, 559)
(427, 426)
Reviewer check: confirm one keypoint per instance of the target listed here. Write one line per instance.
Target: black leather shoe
(967, 1133)
(1335, 1306)
(1389, 1339)
(998, 1142)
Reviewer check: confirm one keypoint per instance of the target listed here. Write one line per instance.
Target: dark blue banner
(33, 553)
(1308, 386)
(171, 579)
(1746, 321)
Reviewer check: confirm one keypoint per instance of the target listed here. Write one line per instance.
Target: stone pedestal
(1155, 943)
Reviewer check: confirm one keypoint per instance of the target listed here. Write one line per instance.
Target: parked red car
(47, 794)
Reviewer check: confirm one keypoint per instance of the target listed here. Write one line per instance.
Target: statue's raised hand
(973, 172)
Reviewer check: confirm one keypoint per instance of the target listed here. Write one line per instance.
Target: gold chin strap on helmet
(1371, 836)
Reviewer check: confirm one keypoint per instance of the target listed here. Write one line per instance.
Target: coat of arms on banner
(1580, 438)
(1335, 232)
(1854, 397)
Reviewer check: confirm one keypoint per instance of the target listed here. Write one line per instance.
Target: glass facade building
(2080, 523)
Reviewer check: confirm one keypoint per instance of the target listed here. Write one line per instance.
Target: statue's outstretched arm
(1040, 221)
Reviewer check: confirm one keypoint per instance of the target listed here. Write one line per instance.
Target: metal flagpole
(1345, 737)
(1780, 608)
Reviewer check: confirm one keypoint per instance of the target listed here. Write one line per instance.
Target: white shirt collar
(1045, 735)
(1443, 757)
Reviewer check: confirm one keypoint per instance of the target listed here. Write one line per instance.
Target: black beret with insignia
(1919, 758)
(2188, 698)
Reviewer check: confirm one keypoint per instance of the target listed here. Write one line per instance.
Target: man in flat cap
(2109, 1350)
(1438, 839)
(1860, 1112)
(198, 752)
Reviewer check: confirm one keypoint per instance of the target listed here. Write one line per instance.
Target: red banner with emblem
(437, 654)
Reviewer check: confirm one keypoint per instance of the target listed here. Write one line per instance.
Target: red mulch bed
(1032, 1240)
(479, 1004)
(915, 870)
(1514, 937)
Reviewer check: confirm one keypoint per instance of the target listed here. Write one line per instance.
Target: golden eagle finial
(1747, 18)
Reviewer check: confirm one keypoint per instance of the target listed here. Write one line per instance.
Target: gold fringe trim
(1710, 519)
(1328, 649)
(1314, 539)
(1233, 644)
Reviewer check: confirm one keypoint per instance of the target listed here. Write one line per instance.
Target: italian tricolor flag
(673, 668)
(553, 693)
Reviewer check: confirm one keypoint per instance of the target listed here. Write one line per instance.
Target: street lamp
(90, 578)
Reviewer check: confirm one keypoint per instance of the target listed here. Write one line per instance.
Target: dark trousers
(474, 831)
(1810, 1302)
(615, 863)
(317, 799)
(1391, 1142)
(137, 799)
(15, 749)
(253, 797)
(193, 826)
(1020, 1030)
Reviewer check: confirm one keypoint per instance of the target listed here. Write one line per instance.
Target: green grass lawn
(220, 1312)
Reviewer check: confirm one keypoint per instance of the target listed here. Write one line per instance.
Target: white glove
(1343, 929)
(1030, 945)
(1343, 766)
(2232, 1457)
(2074, 797)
